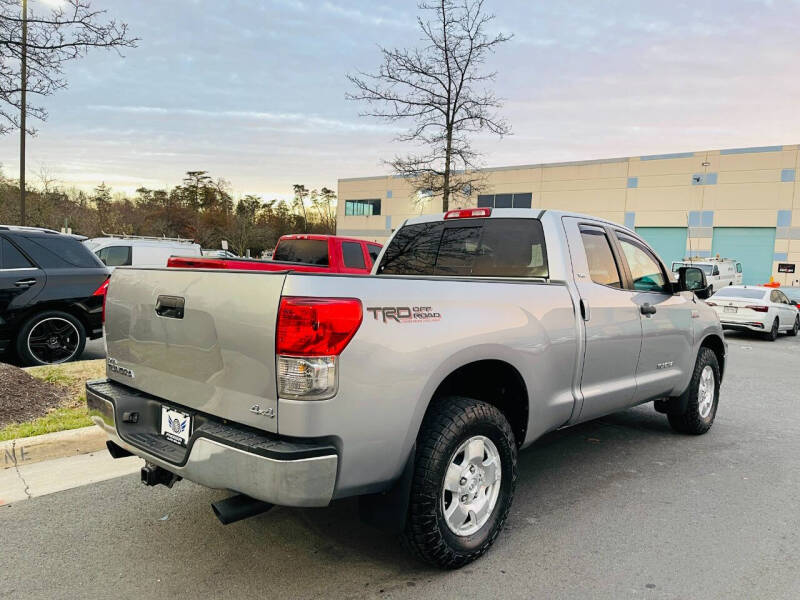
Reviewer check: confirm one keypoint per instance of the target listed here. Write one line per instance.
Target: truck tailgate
(216, 356)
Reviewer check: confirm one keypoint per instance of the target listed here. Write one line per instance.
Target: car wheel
(702, 396)
(50, 338)
(793, 331)
(463, 482)
(773, 332)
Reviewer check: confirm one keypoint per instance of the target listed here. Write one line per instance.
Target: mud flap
(388, 511)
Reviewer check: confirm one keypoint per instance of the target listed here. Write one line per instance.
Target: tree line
(201, 208)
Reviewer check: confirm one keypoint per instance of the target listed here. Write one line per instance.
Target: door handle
(170, 307)
(647, 309)
(584, 309)
(26, 283)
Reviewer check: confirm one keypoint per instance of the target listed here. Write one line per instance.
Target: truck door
(613, 327)
(667, 331)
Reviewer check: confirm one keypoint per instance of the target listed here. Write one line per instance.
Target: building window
(362, 208)
(519, 200)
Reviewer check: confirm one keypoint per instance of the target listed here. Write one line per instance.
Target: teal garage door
(754, 247)
(668, 242)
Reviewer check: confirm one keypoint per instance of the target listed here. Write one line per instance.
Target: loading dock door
(754, 247)
(668, 242)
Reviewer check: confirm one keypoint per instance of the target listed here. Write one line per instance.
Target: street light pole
(23, 110)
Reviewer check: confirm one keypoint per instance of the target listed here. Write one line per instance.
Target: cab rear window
(468, 248)
(309, 252)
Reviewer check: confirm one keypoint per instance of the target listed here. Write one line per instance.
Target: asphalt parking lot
(620, 507)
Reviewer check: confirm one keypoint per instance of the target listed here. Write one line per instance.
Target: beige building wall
(701, 191)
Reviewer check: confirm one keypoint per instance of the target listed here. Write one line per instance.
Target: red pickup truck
(300, 252)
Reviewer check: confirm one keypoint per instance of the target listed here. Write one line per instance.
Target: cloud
(296, 119)
(353, 14)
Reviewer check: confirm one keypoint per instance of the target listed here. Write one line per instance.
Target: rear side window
(474, 247)
(353, 255)
(11, 258)
(115, 256)
(374, 252)
(602, 266)
(58, 252)
(310, 252)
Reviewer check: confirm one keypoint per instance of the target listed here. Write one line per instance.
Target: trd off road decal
(404, 314)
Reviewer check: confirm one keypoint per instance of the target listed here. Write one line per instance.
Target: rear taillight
(468, 213)
(103, 291)
(311, 333)
(758, 307)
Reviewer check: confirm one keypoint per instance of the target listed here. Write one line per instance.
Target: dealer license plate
(730, 309)
(175, 425)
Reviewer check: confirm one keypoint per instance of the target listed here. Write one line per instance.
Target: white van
(720, 272)
(140, 251)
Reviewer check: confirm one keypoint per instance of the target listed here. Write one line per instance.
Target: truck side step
(238, 507)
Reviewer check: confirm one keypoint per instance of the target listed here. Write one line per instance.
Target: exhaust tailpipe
(116, 451)
(238, 507)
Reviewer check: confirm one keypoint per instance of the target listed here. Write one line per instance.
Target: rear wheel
(772, 335)
(796, 327)
(49, 338)
(463, 484)
(702, 396)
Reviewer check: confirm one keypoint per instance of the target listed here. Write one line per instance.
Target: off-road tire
(691, 421)
(451, 421)
(21, 346)
(796, 328)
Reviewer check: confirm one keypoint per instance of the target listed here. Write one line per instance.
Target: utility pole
(23, 110)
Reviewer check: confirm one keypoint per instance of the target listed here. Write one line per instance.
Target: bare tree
(441, 88)
(301, 195)
(33, 50)
(324, 204)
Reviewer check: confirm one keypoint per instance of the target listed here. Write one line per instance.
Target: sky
(254, 90)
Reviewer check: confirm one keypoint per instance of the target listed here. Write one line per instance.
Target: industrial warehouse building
(738, 203)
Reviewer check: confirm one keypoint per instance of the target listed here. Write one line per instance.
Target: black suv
(51, 295)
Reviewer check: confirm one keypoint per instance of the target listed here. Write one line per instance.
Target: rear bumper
(218, 455)
(743, 326)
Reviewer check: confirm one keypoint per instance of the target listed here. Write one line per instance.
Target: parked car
(307, 253)
(720, 272)
(756, 308)
(479, 331)
(140, 251)
(793, 294)
(51, 295)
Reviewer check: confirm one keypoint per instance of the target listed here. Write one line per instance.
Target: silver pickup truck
(414, 388)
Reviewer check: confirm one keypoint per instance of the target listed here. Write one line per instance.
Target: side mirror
(692, 279)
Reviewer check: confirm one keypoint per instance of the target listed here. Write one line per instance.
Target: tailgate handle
(170, 307)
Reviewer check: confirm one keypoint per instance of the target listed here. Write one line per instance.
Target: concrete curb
(25, 451)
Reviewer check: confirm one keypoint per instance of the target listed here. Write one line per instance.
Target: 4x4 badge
(266, 412)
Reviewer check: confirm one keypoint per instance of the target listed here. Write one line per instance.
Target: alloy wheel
(53, 340)
(471, 485)
(705, 392)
